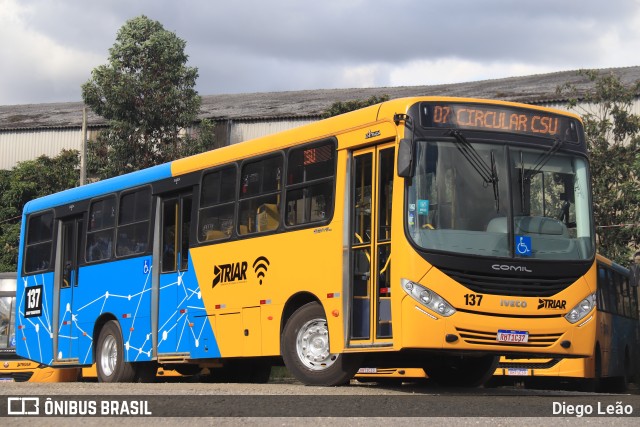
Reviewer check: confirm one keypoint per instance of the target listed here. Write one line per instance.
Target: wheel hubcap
(312, 345)
(109, 356)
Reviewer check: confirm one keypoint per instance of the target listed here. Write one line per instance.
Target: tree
(344, 107)
(26, 181)
(613, 138)
(146, 91)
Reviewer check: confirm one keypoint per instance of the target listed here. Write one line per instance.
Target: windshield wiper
(525, 176)
(542, 160)
(488, 173)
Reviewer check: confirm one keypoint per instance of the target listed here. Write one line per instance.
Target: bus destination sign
(498, 118)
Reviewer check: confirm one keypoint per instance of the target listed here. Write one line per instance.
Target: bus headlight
(428, 298)
(578, 312)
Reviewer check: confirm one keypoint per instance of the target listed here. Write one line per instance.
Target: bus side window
(612, 292)
(186, 206)
(169, 237)
(260, 195)
(310, 184)
(601, 301)
(102, 221)
(133, 222)
(217, 205)
(38, 242)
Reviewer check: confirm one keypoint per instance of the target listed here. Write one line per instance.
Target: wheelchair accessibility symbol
(523, 245)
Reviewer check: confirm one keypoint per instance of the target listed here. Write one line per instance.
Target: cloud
(37, 68)
(255, 46)
(455, 70)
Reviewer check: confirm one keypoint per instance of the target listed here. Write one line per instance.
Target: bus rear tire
(305, 350)
(464, 371)
(110, 364)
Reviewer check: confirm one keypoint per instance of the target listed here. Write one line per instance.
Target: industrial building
(28, 131)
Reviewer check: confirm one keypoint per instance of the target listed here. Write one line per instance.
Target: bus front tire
(305, 350)
(110, 364)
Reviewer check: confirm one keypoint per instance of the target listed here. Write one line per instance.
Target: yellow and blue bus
(425, 232)
(13, 367)
(616, 357)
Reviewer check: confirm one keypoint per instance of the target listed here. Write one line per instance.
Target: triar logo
(558, 304)
(227, 273)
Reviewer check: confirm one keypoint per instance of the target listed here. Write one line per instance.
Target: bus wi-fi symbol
(260, 266)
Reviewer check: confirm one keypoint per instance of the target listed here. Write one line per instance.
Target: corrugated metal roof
(534, 89)
(18, 145)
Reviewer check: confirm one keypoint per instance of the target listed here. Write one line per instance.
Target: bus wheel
(305, 349)
(110, 364)
(464, 371)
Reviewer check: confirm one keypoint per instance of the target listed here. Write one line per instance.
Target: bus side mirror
(405, 158)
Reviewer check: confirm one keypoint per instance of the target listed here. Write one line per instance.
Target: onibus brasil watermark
(213, 405)
(36, 406)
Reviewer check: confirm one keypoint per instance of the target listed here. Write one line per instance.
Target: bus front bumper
(494, 333)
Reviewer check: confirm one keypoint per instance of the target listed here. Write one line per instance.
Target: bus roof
(312, 132)
(96, 189)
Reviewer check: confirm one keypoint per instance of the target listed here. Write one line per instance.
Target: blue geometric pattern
(122, 288)
(183, 325)
(34, 335)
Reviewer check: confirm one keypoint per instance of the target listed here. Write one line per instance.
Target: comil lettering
(516, 268)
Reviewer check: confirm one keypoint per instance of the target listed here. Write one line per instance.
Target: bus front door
(173, 316)
(370, 270)
(66, 274)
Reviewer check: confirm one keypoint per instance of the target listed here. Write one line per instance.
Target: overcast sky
(49, 47)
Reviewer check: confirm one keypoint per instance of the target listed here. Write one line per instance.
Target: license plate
(367, 370)
(512, 336)
(517, 372)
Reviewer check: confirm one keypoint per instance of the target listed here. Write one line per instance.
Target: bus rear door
(66, 282)
(173, 328)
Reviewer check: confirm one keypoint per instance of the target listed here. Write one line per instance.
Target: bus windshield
(7, 307)
(538, 196)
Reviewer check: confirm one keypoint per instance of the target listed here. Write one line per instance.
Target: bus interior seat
(498, 225)
(215, 235)
(540, 225)
(267, 217)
